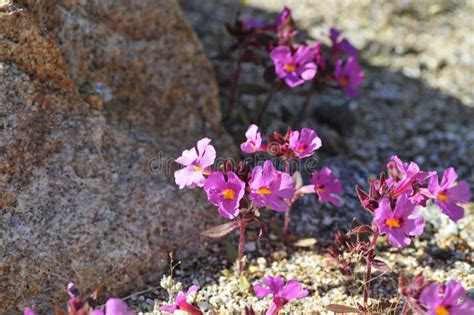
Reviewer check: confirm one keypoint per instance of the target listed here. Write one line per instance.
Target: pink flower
(254, 140)
(341, 45)
(182, 304)
(447, 196)
(304, 144)
(326, 185)
(270, 188)
(284, 28)
(399, 224)
(195, 163)
(226, 194)
(281, 23)
(283, 18)
(282, 295)
(29, 311)
(294, 68)
(114, 306)
(349, 76)
(404, 175)
(444, 299)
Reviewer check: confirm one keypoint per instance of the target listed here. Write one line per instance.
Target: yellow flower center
(392, 223)
(441, 310)
(228, 194)
(320, 188)
(343, 81)
(442, 197)
(289, 67)
(197, 168)
(264, 191)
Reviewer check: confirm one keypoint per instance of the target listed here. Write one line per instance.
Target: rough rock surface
(91, 92)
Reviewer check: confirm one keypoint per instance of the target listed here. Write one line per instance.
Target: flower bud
(166, 282)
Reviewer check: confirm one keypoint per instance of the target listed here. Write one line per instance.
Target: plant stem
(302, 111)
(264, 107)
(370, 257)
(405, 308)
(241, 242)
(233, 87)
(288, 211)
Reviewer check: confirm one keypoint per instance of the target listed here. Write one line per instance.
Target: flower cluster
(332, 64)
(394, 201)
(297, 144)
(232, 188)
(78, 305)
(282, 294)
(241, 191)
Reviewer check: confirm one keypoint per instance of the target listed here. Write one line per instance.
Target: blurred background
(417, 100)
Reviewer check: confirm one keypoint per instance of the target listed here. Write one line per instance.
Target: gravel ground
(417, 101)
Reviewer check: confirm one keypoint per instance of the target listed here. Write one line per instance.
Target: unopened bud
(72, 290)
(166, 282)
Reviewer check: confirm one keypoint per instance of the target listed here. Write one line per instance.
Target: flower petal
(293, 290)
(261, 291)
(453, 292)
(451, 209)
(307, 71)
(115, 306)
(430, 296)
(459, 193)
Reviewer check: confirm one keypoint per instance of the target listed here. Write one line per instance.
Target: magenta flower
(404, 175)
(254, 140)
(399, 224)
(270, 188)
(349, 76)
(196, 164)
(114, 306)
(283, 18)
(447, 196)
(226, 194)
(341, 45)
(294, 68)
(284, 28)
(282, 295)
(29, 311)
(182, 304)
(281, 22)
(305, 143)
(326, 185)
(444, 299)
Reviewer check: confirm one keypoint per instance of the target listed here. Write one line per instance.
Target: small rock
(250, 247)
(261, 261)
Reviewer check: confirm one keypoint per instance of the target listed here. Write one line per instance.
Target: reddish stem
(265, 104)
(241, 242)
(303, 110)
(234, 84)
(288, 211)
(368, 276)
(405, 308)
